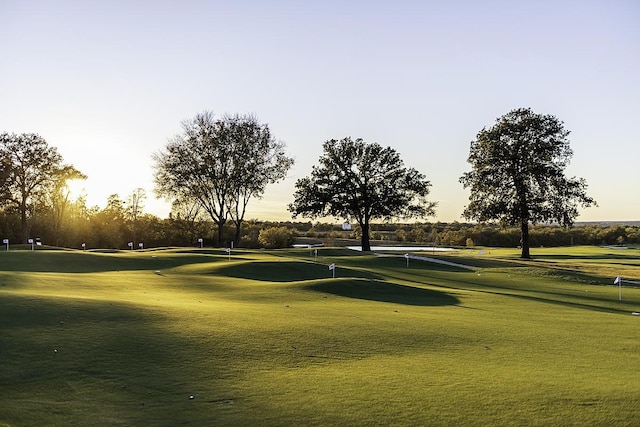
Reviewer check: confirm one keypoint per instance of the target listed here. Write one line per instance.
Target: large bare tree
(261, 161)
(220, 163)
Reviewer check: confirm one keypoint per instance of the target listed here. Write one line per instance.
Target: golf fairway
(195, 337)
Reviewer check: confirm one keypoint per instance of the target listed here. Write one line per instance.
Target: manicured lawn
(180, 337)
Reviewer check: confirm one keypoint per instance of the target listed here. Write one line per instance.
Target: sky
(109, 82)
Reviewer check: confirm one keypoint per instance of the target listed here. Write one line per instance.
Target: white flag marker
(332, 267)
(618, 282)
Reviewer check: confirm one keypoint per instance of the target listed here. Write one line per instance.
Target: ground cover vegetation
(198, 336)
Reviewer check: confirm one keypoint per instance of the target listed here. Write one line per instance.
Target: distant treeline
(468, 235)
(113, 227)
(462, 234)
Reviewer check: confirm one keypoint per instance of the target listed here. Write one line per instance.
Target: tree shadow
(61, 356)
(94, 262)
(382, 291)
(352, 283)
(399, 263)
(572, 301)
(626, 259)
(578, 300)
(288, 271)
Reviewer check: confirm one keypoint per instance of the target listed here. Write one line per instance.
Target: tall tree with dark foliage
(359, 181)
(518, 174)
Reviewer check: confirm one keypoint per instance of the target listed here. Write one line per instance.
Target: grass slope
(269, 338)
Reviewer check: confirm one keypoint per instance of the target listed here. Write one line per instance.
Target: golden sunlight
(77, 188)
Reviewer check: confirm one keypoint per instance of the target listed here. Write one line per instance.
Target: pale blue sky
(108, 82)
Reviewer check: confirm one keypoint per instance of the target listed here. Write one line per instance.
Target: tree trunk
(238, 231)
(23, 223)
(220, 232)
(524, 227)
(366, 244)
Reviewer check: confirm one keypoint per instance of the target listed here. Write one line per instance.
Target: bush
(276, 237)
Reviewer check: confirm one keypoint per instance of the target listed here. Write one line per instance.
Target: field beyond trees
(202, 337)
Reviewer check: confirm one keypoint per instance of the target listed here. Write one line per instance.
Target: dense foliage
(517, 174)
(276, 237)
(361, 181)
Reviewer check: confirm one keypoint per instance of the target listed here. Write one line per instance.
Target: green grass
(269, 338)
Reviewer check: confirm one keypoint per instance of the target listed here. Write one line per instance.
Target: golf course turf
(177, 336)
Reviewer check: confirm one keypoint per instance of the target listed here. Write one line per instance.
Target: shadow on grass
(94, 262)
(628, 259)
(479, 261)
(377, 290)
(72, 362)
(588, 303)
(352, 283)
(288, 271)
(399, 263)
(575, 299)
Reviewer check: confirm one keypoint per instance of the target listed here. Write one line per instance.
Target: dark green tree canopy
(518, 174)
(361, 181)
